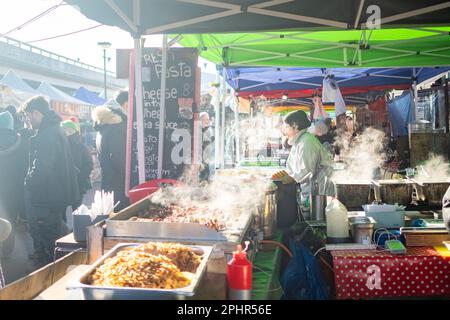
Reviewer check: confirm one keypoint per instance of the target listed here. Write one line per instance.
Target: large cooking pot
(393, 191)
(431, 192)
(353, 195)
(267, 212)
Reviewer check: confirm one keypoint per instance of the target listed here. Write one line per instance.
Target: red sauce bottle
(239, 276)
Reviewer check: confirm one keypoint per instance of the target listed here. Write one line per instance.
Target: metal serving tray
(120, 226)
(177, 231)
(91, 292)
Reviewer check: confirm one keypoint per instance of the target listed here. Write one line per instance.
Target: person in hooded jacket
(51, 183)
(110, 120)
(81, 157)
(13, 168)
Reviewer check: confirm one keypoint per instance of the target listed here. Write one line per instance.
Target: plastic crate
(147, 188)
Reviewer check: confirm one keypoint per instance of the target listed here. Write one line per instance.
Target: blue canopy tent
(273, 82)
(89, 96)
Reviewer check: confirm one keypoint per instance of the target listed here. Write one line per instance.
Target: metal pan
(91, 292)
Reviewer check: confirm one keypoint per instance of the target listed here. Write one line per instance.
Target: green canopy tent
(399, 47)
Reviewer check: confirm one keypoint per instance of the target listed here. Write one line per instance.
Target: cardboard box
(425, 239)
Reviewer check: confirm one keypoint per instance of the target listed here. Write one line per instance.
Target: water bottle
(239, 275)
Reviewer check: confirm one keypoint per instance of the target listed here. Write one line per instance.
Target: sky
(66, 19)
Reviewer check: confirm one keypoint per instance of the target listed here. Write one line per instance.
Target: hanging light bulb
(284, 96)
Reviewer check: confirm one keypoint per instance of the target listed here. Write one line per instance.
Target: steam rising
(362, 156)
(435, 169)
(228, 198)
(257, 131)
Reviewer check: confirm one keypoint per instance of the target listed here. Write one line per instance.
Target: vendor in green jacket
(307, 155)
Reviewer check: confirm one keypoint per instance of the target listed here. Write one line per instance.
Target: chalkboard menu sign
(179, 108)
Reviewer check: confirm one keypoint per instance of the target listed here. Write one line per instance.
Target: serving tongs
(418, 187)
(377, 192)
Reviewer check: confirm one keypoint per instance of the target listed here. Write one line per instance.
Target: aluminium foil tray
(91, 292)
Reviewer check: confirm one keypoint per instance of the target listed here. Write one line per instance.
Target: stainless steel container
(393, 191)
(318, 204)
(361, 229)
(266, 218)
(193, 233)
(353, 195)
(91, 292)
(433, 192)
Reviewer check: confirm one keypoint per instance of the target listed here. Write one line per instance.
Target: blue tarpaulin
(300, 82)
(88, 96)
(399, 112)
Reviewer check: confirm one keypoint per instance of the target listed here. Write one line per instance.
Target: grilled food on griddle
(187, 214)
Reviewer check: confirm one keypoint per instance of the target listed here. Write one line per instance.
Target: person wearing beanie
(70, 127)
(110, 122)
(6, 120)
(81, 157)
(122, 99)
(13, 168)
(51, 184)
(307, 155)
(18, 120)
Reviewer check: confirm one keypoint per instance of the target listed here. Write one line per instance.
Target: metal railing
(52, 55)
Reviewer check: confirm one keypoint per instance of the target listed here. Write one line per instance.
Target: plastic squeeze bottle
(239, 275)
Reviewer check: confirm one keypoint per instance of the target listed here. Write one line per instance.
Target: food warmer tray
(91, 292)
(119, 226)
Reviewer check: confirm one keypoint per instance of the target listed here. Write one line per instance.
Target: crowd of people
(46, 168)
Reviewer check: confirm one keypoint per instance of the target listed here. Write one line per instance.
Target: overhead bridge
(35, 65)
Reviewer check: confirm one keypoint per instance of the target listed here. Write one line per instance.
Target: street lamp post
(104, 46)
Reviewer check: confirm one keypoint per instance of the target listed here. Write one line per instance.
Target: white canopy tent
(14, 90)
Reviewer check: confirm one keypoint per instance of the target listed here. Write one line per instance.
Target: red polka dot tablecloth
(362, 274)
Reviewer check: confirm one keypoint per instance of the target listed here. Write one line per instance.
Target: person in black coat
(81, 157)
(51, 182)
(110, 121)
(13, 168)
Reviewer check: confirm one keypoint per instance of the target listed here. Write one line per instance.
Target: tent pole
(188, 22)
(446, 113)
(217, 123)
(259, 9)
(139, 110)
(136, 10)
(414, 104)
(162, 108)
(222, 129)
(236, 120)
